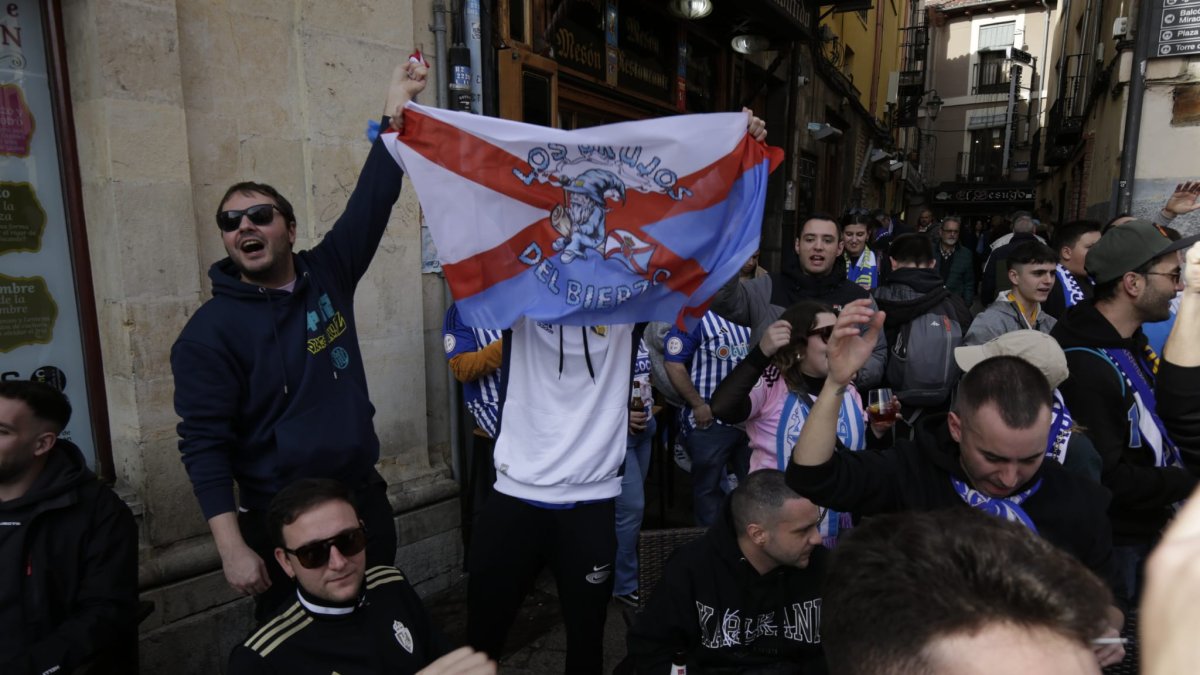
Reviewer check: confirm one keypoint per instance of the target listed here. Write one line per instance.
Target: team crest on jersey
(449, 342)
(602, 331)
(403, 636)
(674, 346)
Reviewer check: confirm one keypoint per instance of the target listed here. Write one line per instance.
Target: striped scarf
(1008, 508)
(1072, 293)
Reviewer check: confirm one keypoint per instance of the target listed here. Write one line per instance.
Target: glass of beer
(881, 406)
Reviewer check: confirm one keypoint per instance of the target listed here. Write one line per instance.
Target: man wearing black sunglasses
(269, 378)
(346, 617)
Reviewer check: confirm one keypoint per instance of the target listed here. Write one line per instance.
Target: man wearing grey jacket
(817, 275)
(1031, 270)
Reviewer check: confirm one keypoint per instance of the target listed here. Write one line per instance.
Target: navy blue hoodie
(270, 385)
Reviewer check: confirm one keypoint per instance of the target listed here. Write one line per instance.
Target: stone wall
(175, 100)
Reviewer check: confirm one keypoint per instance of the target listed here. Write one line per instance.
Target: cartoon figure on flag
(581, 223)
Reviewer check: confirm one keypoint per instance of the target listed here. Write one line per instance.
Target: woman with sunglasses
(773, 389)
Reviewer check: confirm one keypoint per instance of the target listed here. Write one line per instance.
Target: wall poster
(42, 336)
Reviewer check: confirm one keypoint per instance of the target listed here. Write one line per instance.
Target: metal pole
(1133, 114)
(441, 53)
(1014, 71)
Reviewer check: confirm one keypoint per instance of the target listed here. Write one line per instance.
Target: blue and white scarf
(1008, 508)
(1060, 430)
(1145, 425)
(1072, 293)
(851, 431)
(864, 271)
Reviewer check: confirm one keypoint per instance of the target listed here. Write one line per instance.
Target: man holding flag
(269, 379)
(567, 239)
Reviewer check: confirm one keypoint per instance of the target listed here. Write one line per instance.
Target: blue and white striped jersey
(482, 396)
(712, 348)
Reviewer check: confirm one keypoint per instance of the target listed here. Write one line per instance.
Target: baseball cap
(1036, 347)
(1129, 246)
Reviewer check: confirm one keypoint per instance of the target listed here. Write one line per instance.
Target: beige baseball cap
(1034, 346)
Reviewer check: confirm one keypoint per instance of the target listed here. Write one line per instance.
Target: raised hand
(778, 335)
(1169, 613)
(1184, 199)
(757, 127)
(849, 347)
(408, 80)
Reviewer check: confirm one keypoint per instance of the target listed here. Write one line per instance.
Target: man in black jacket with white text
(747, 595)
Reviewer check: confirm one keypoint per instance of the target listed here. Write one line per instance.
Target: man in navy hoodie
(269, 379)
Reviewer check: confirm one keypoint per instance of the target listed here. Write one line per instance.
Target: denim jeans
(711, 450)
(631, 504)
(1129, 564)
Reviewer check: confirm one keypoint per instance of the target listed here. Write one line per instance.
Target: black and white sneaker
(631, 598)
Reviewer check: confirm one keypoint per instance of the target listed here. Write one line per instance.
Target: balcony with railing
(1064, 124)
(914, 52)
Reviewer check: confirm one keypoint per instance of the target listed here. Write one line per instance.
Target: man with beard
(270, 384)
(1111, 388)
(745, 597)
(815, 276)
(68, 546)
(987, 453)
(1031, 272)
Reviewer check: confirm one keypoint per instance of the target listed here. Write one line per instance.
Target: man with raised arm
(269, 378)
(987, 453)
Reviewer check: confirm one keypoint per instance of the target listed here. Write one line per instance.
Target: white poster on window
(40, 337)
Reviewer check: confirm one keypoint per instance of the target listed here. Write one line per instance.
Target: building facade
(159, 105)
(1124, 100)
(986, 64)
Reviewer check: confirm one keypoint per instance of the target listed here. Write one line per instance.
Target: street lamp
(750, 44)
(934, 105)
(691, 9)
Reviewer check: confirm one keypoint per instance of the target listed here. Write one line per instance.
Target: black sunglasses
(316, 554)
(824, 332)
(259, 214)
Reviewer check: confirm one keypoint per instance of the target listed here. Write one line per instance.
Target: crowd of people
(912, 450)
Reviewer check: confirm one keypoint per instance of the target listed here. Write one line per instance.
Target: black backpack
(921, 367)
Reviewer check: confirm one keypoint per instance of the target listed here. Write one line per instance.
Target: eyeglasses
(1173, 276)
(259, 214)
(825, 332)
(316, 554)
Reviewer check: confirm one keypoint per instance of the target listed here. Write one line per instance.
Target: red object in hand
(418, 58)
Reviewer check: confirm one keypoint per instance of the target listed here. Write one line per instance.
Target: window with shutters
(992, 66)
